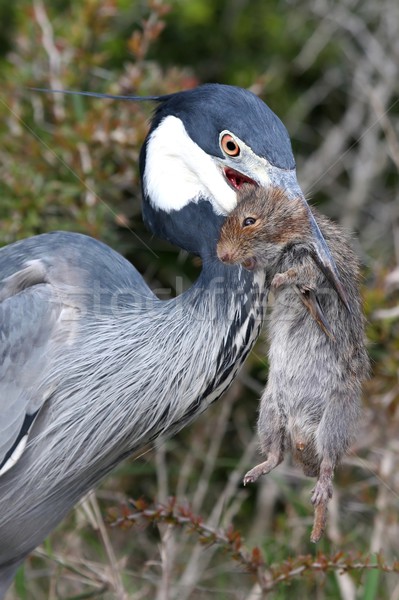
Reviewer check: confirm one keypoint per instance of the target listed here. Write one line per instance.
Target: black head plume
(100, 95)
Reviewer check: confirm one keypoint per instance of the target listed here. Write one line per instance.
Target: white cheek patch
(178, 171)
(15, 456)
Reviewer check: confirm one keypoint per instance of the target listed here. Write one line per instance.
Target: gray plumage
(317, 354)
(78, 304)
(93, 365)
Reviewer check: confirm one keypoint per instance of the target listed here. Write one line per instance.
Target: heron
(93, 366)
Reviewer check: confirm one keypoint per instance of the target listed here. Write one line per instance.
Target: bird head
(203, 147)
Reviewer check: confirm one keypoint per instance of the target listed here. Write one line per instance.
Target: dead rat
(317, 353)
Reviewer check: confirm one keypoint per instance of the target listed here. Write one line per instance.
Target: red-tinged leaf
(159, 8)
(125, 511)
(337, 556)
(127, 524)
(233, 534)
(139, 504)
(204, 540)
(155, 30)
(198, 521)
(135, 44)
(257, 556)
(185, 511)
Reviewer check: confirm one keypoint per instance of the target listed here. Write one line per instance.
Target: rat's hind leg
(271, 432)
(274, 458)
(333, 438)
(323, 489)
(321, 496)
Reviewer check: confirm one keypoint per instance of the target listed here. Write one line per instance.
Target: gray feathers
(116, 370)
(29, 319)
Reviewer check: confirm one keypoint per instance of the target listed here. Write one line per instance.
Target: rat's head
(262, 225)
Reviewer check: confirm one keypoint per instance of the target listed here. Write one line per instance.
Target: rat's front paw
(281, 279)
(277, 281)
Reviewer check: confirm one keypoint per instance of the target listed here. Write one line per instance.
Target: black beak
(317, 246)
(323, 259)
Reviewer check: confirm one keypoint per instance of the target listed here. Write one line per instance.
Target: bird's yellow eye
(229, 145)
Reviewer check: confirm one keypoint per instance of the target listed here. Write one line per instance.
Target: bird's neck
(222, 290)
(194, 345)
(221, 316)
(195, 227)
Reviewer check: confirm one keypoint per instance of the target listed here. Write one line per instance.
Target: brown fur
(315, 420)
(240, 242)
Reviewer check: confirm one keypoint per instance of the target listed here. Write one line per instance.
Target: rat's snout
(227, 252)
(230, 254)
(224, 255)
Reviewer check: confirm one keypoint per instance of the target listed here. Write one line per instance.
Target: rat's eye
(229, 145)
(248, 221)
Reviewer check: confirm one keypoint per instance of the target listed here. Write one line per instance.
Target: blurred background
(330, 70)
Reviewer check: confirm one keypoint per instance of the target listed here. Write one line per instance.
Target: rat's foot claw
(322, 493)
(278, 280)
(281, 279)
(263, 468)
(252, 475)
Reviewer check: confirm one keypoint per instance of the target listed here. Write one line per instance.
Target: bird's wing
(43, 303)
(31, 313)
